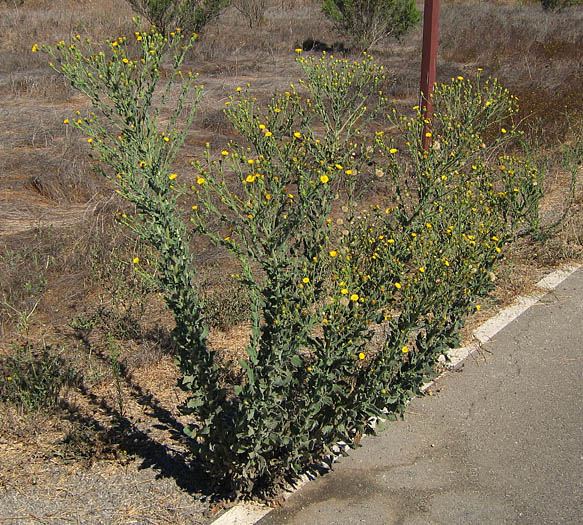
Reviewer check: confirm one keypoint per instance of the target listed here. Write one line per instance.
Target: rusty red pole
(428, 63)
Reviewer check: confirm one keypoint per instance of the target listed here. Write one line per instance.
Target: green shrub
(188, 15)
(368, 21)
(350, 305)
(33, 379)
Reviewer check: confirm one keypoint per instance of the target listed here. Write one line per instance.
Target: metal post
(428, 64)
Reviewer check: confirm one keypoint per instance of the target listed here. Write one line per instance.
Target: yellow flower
(339, 166)
(422, 270)
(267, 197)
(344, 291)
(250, 178)
(239, 89)
(361, 356)
(354, 297)
(428, 134)
(398, 286)
(195, 207)
(125, 60)
(224, 153)
(90, 140)
(503, 130)
(405, 349)
(172, 176)
(324, 179)
(306, 280)
(333, 253)
(268, 133)
(478, 307)
(460, 78)
(297, 135)
(66, 121)
(166, 139)
(35, 48)
(136, 260)
(200, 180)
(349, 172)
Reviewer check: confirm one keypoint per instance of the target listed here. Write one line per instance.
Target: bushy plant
(350, 304)
(188, 15)
(32, 379)
(137, 153)
(368, 21)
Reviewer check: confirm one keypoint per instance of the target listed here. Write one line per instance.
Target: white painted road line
(492, 326)
(243, 514)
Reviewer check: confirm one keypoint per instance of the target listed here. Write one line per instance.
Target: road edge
(251, 513)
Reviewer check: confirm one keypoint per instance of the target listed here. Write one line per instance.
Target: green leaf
(296, 361)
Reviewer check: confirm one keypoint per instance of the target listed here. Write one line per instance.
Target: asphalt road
(499, 442)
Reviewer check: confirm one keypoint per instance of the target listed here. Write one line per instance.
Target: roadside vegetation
(247, 237)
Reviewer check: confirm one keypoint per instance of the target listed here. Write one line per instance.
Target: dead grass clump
(487, 32)
(35, 85)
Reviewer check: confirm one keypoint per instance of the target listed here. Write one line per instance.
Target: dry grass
(63, 261)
